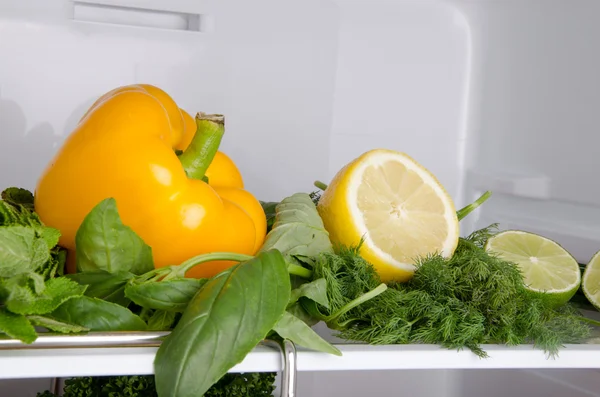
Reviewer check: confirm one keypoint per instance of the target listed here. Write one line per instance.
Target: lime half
(548, 269)
(591, 281)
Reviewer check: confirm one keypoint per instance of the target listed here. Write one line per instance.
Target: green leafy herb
(103, 242)
(256, 384)
(22, 250)
(298, 311)
(17, 326)
(161, 320)
(57, 291)
(470, 299)
(298, 232)
(55, 266)
(104, 285)
(260, 384)
(98, 315)
(226, 319)
(17, 196)
(269, 207)
(315, 290)
(55, 325)
(296, 330)
(171, 295)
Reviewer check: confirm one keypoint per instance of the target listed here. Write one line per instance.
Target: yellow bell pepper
(124, 147)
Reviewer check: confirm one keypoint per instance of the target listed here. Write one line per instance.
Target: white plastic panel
(139, 360)
(402, 83)
(533, 117)
(275, 89)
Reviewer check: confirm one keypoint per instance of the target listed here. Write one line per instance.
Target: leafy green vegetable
(231, 385)
(315, 290)
(161, 320)
(171, 295)
(256, 384)
(298, 232)
(98, 315)
(54, 325)
(22, 250)
(226, 319)
(298, 311)
(56, 264)
(470, 299)
(17, 196)
(17, 326)
(23, 284)
(103, 242)
(57, 291)
(294, 329)
(269, 208)
(104, 285)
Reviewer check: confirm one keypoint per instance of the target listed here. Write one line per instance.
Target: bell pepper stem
(205, 144)
(320, 185)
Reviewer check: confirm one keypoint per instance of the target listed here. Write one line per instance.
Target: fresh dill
(470, 299)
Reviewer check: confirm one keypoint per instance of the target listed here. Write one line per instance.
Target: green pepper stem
(184, 267)
(299, 271)
(320, 185)
(462, 213)
(205, 144)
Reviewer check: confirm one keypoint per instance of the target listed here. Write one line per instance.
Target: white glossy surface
(138, 360)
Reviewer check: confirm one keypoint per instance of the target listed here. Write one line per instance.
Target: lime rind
(549, 270)
(590, 283)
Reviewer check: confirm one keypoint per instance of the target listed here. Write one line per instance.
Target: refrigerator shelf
(98, 354)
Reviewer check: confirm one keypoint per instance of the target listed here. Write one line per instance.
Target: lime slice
(548, 269)
(591, 281)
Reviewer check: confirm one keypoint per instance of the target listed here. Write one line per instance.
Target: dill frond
(470, 299)
(481, 236)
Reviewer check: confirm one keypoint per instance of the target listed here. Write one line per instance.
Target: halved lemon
(398, 207)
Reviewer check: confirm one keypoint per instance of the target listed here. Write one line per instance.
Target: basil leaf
(16, 326)
(298, 311)
(224, 321)
(315, 290)
(171, 295)
(294, 329)
(298, 232)
(57, 291)
(161, 320)
(21, 251)
(98, 315)
(54, 325)
(103, 285)
(103, 242)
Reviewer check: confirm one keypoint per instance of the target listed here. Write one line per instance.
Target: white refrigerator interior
(500, 95)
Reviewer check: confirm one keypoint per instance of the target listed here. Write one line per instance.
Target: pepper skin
(124, 147)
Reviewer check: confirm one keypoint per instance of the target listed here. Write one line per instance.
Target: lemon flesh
(548, 269)
(591, 281)
(398, 207)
